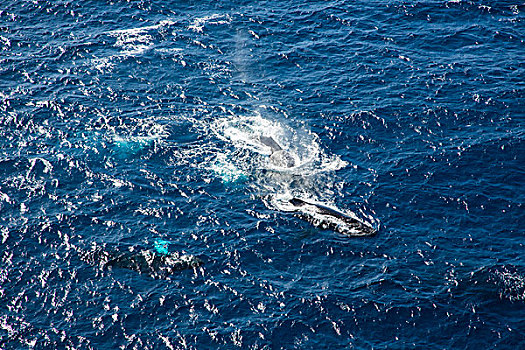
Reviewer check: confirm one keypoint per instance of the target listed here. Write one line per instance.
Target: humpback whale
(318, 214)
(279, 156)
(157, 264)
(326, 217)
(270, 142)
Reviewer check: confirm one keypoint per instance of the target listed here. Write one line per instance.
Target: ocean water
(139, 209)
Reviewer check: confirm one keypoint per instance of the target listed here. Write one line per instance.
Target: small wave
(139, 30)
(197, 25)
(133, 144)
(227, 171)
(132, 42)
(510, 281)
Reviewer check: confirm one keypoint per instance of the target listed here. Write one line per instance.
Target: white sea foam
(169, 50)
(132, 42)
(226, 170)
(303, 146)
(197, 25)
(5, 41)
(135, 31)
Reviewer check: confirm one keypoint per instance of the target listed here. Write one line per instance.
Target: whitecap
(132, 42)
(197, 25)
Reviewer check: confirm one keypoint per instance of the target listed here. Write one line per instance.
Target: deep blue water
(125, 124)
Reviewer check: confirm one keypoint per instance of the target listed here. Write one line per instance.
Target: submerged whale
(157, 264)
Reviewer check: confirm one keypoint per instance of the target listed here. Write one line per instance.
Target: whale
(318, 214)
(325, 217)
(155, 263)
(270, 142)
(278, 157)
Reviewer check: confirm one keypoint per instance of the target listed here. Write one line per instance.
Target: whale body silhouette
(152, 263)
(318, 214)
(326, 217)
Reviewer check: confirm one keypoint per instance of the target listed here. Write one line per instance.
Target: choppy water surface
(140, 210)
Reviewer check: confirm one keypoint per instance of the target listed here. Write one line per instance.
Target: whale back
(329, 218)
(270, 142)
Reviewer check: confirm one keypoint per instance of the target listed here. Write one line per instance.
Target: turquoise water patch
(161, 246)
(125, 147)
(229, 173)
